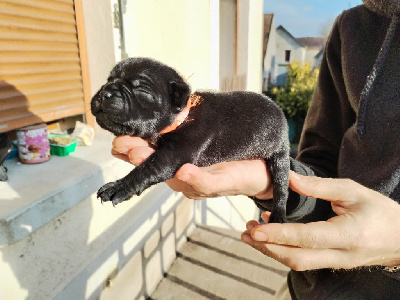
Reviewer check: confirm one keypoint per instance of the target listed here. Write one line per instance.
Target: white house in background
(314, 47)
(318, 57)
(288, 48)
(281, 48)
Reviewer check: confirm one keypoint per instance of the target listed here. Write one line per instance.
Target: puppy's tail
(278, 166)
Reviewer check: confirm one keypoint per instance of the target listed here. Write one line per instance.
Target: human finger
(246, 238)
(124, 143)
(265, 216)
(131, 149)
(118, 155)
(198, 183)
(330, 189)
(302, 259)
(179, 186)
(251, 224)
(184, 181)
(247, 177)
(139, 154)
(203, 182)
(315, 235)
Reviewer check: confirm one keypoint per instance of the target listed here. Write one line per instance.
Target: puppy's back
(238, 125)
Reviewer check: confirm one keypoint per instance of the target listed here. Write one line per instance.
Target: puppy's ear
(180, 92)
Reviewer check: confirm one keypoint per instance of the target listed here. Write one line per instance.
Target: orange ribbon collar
(193, 100)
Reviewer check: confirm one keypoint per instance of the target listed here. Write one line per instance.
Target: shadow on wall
(91, 251)
(148, 246)
(40, 262)
(37, 264)
(14, 109)
(14, 113)
(85, 252)
(231, 212)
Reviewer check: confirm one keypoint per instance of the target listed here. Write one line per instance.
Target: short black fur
(143, 96)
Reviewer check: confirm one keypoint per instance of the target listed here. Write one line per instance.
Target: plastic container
(61, 145)
(13, 153)
(33, 145)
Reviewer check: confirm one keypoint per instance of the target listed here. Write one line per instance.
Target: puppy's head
(141, 97)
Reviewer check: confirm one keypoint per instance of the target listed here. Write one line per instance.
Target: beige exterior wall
(249, 54)
(228, 39)
(242, 36)
(99, 40)
(199, 39)
(89, 251)
(211, 41)
(96, 251)
(176, 33)
(254, 42)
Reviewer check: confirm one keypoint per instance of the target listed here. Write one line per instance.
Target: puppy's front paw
(114, 192)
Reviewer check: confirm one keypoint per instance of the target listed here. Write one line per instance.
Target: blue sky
(306, 17)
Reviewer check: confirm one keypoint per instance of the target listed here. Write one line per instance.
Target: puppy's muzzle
(102, 98)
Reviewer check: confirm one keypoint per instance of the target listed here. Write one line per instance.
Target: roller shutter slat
(27, 80)
(61, 6)
(43, 14)
(40, 68)
(42, 37)
(13, 22)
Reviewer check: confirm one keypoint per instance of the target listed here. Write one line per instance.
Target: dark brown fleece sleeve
(330, 113)
(301, 208)
(328, 118)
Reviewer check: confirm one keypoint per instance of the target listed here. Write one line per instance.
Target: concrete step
(215, 264)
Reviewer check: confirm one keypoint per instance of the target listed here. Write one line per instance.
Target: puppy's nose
(105, 94)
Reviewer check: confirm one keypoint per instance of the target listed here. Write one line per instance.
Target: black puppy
(145, 98)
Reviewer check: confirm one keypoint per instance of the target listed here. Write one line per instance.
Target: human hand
(365, 232)
(246, 177)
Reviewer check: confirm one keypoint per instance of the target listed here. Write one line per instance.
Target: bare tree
(326, 27)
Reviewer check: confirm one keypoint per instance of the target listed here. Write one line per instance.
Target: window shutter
(40, 67)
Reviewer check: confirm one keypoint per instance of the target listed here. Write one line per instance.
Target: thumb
(204, 180)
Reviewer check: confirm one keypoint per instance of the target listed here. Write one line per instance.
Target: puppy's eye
(135, 83)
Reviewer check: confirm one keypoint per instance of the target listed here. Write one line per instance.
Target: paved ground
(215, 264)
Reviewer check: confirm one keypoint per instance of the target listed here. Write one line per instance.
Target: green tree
(295, 96)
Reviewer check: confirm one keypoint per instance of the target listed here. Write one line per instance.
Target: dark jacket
(352, 130)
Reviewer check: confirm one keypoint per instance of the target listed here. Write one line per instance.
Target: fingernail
(259, 235)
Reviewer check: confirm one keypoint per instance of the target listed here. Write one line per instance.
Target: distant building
(318, 58)
(281, 48)
(288, 48)
(314, 47)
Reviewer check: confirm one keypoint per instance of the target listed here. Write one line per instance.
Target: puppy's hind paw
(114, 192)
(277, 218)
